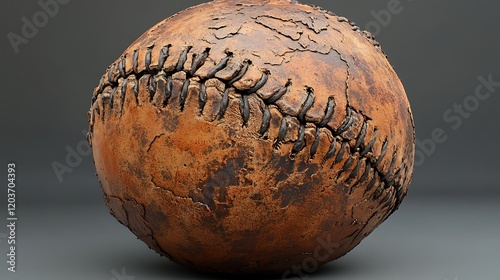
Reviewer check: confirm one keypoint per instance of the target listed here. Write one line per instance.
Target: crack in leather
(143, 222)
(179, 196)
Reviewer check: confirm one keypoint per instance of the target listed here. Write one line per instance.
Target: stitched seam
(382, 181)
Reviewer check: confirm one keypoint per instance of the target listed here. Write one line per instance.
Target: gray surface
(433, 239)
(448, 226)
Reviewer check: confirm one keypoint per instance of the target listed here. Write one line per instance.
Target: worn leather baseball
(249, 136)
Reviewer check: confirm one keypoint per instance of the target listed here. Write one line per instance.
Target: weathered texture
(233, 135)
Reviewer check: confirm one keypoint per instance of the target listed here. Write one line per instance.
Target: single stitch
(393, 161)
(136, 91)
(266, 120)
(331, 151)
(184, 91)
(110, 74)
(307, 105)
(182, 59)
(259, 84)
(301, 142)
(168, 90)
(151, 88)
(283, 129)
(164, 53)
(147, 60)
(347, 123)
(224, 104)
(203, 97)
(121, 66)
(330, 109)
(369, 147)
(382, 154)
(199, 61)
(222, 64)
(365, 175)
(361, 138)
(240, 73)
(135, 61)
(245, 109)
(347, 165)
(278, 94)
(315, 145)
(355, 171)
(341, 153)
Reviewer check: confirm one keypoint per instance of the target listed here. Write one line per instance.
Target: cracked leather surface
(232, 135)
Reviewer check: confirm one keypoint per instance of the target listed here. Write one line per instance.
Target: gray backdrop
(447, 228)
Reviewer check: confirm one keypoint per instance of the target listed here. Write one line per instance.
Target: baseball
(252, 137)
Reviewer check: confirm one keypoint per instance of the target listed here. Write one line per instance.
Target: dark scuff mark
(214, 190)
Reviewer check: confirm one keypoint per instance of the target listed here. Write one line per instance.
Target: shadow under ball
(241, 136)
